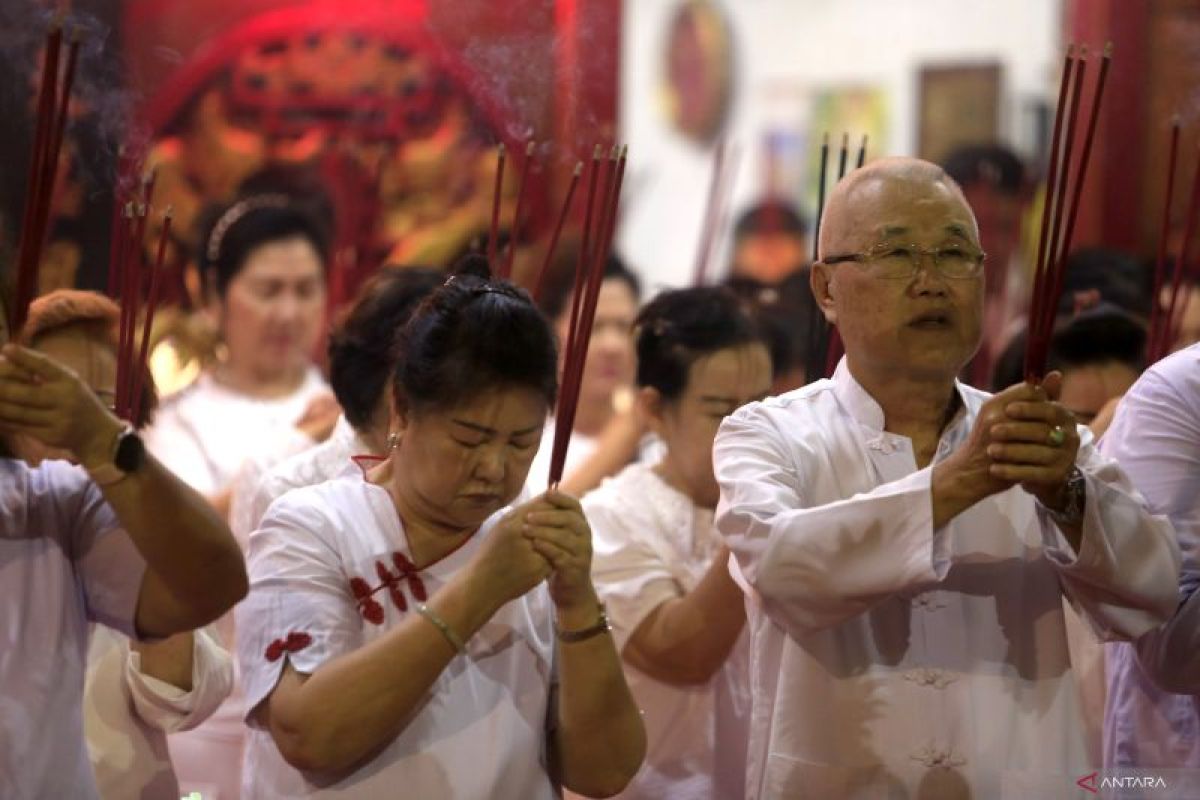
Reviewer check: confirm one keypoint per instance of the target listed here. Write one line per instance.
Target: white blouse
(207, 431)
(481, 731)
(652, 544)
(890, 658)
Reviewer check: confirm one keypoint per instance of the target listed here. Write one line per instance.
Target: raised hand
(47, 401)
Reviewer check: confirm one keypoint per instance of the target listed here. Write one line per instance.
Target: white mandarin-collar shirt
(890, 658)
(1156, 437)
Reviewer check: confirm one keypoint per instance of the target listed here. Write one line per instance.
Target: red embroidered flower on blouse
(405, 572)
(294, 643)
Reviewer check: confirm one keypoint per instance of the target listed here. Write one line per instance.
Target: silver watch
(1076, 491)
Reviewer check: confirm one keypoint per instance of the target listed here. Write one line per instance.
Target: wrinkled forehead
(906, 209)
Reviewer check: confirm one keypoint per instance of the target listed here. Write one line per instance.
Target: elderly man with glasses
(906, 541)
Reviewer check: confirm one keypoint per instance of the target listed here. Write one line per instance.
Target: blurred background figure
(265, 268)
(770, 243)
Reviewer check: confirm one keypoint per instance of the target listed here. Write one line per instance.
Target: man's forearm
(195, 568)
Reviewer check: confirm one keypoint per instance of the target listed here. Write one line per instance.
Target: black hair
(362, 349)
(679, 327)
(1119, 279)
(250, 223)
(1100, 335)
(991, 163)
(470, 335)
(560, 282)
(770, 216)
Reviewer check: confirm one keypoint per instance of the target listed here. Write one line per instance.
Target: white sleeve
(815, 567)
(1156, 438)
(630, 576)
(171, 709)
(300, 609)
(1125, 578)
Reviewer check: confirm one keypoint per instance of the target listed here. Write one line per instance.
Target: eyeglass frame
(876, 251)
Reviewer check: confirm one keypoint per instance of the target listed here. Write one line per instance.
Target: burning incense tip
(1083, 51)
(613, 152)
(500, 150)
(1108, 49)
(598, 152)
(578, 168)
(624, 150)
(529, 148)
(170, 212)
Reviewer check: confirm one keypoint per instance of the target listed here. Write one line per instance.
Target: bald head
(860, 208)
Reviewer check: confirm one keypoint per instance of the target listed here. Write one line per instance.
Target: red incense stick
(1156, 315)
(506, 269)
(141, 366)
(539, 286)
(494, 234)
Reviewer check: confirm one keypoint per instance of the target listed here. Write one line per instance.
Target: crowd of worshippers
(752, 581)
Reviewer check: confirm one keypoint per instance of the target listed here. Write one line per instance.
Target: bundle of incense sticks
(53, 106)
(1061, 206)
(504, 266)
(128, 237)
(824, 343)
(589, 274)
(716, 206)
(1167, 316)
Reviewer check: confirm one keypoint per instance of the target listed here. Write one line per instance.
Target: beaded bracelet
(453, 638)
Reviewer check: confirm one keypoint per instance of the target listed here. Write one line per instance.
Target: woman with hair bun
(407, 629)
(264, 267)
(660, 566)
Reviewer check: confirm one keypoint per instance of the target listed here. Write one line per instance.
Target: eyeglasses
(901, 261)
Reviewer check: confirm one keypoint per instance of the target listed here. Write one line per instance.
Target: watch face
(130, 452)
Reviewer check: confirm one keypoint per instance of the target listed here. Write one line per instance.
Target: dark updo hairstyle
(678, 328)
(250, 223)
(473, 334)
(362, 349)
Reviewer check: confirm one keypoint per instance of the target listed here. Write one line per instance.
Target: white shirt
(890, 658)
(206, 432)
(481, 731)
(652, 544)
(127, 714)
(1156, 437)
(64, 562)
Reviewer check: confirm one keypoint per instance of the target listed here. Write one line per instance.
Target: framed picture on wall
(960, 104)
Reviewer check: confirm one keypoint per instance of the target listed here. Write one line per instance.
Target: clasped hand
(547, 538)
(1021, 436)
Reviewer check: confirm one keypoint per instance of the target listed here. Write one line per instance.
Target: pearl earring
(393, 440)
